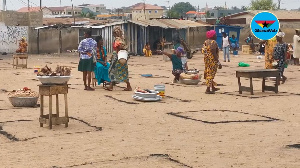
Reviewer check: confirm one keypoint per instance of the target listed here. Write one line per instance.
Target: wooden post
(50, 111)
(263, 84)
(66, 109)
(277, 83)
(57, 106)
(251, 86)
(240, 85)
(41, 109)
(38, 41)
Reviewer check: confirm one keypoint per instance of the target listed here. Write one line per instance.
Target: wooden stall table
(264, 73)
(21, 56)
(53, 119)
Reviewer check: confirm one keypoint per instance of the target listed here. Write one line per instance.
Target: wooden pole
(40, 4)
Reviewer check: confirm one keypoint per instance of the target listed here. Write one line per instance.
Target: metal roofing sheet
(168, 23)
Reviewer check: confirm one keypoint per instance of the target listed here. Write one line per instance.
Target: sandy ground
(186, 129)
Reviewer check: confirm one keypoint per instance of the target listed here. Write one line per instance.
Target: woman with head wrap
(211, 60)
(280, 53)
(176, 62)
(102, 66)
(118, 71)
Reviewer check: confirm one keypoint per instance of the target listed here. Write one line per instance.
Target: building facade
(215, 13)
(147, 12)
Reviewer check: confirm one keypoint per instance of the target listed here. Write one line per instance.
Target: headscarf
(280, 34)
(119, 39)
(210, 34)
(180, 50)
(118, 31)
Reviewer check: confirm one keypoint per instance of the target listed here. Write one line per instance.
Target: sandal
(127, 89)
(85, 87)
(209, 92)
(109, 89)
(90, 89)
(215, 89)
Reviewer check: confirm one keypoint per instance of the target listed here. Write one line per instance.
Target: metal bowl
(54, 79)
(23, 101)
(190, 81)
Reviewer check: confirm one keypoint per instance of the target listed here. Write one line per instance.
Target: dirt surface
(186, 129)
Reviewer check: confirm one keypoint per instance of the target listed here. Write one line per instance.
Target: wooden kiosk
(53, 119)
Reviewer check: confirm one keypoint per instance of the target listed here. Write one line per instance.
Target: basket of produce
(61, 75)
(190, 81)
(23, 98)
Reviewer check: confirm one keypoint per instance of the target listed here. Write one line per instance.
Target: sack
(122, 57)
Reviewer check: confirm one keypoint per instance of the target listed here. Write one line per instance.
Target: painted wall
(10, 36)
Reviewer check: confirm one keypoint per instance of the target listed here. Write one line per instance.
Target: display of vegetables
(25, 92)
(60, 71)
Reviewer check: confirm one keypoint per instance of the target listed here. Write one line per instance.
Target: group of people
(93, 58)
(277, 52)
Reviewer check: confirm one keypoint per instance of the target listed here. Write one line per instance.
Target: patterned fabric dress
(279, 54)
(211, 66)
(269, 49)
(118, 72)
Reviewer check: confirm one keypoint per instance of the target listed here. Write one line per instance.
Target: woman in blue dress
(102, 66)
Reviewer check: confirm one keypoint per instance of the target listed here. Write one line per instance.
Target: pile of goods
(23, 98)
(60, 71)
(146, 95)
(189, 76)
(25, 92)
(144, 90)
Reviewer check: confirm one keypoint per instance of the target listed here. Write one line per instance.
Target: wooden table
(53, 119)
(258, 74)
(16, 58)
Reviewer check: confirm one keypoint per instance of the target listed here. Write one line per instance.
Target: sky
(16, 4)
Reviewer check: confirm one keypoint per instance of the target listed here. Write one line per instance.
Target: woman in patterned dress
(280, 54)
(211, 60)
(269, 49)
(118, 72)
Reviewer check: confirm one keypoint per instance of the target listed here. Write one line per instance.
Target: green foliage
(244, 8)
(180, 9)
(207, 14)
(262, 5)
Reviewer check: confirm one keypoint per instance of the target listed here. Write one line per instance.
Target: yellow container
(160, 89)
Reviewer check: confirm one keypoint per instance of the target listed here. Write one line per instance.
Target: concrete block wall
(12, 18)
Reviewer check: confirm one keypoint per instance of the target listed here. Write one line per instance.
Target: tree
(244, 8)
(180, 9)
(262, 5)
(207, 14)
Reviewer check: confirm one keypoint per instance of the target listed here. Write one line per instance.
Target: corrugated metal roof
(281, 14)
(168, 23)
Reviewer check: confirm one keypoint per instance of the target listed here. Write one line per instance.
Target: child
(147, 51)
(176, 62)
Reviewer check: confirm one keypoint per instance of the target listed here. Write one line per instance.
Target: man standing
(226, 45)
(296, 41)
(87, 49)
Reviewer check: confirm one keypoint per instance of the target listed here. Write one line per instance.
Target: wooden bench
(258, 74)
(16, 58)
